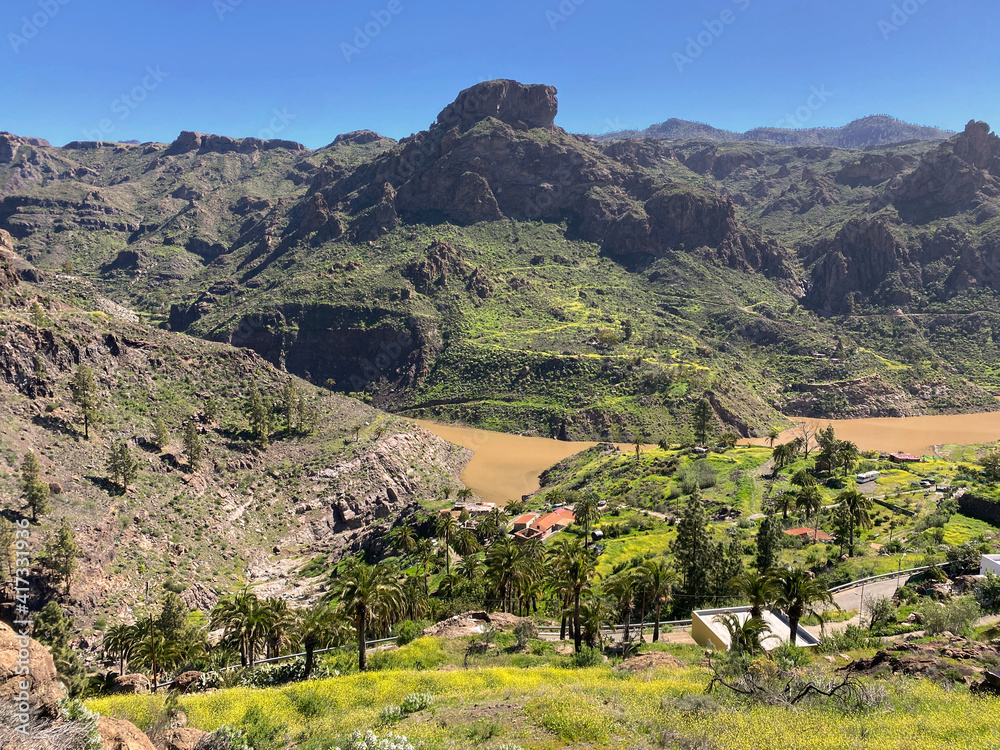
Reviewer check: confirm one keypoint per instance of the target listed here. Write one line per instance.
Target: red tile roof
(558, 517)
(820, 535)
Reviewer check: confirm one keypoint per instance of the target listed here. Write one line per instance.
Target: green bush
(415, 702)
(588, 657)
(407, 632)
(852, 638)
(955, 617)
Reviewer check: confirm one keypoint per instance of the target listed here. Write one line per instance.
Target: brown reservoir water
(505, 467)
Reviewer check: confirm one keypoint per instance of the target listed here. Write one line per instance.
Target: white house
(708, 631)
(990, 563)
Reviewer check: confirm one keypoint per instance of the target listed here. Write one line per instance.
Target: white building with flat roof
(991, 564)
(708, 630)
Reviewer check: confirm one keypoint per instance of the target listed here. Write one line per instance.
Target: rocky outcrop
(359, 138)
(181, 738)
(389, 480)
(117, 734)
(189, 141)
(42, 684)
(870, 169)
(864, 262)
(516, 104)
(131, 684)
(962, 172)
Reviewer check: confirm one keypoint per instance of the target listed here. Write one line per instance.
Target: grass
(548, 707)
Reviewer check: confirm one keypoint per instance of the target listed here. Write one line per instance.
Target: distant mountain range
(866, 132)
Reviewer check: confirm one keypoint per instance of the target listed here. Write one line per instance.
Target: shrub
(525, 632)
(851, 639)
(407, 632)
(415, 702)
(588, 657)
(371, 741)
(955, 617)
(390, 715)
(987, 592)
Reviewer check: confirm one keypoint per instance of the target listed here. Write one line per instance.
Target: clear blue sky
(228, 66)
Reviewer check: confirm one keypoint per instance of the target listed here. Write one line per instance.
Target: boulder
(42, 684)
(117, 734)
(183, 738)
(136, 684)
(183, 682)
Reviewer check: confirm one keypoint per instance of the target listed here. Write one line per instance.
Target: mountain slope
(497, 270)
(863, 133)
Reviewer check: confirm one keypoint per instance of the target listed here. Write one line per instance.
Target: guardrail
(880, 576)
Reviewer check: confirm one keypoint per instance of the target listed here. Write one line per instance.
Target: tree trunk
(576, 622)
(362, 647)
(562, 624)
(309, 662)
(793, 627)
(656, 625)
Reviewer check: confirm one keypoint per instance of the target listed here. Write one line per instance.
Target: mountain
(866, 132)
(497, 270)
(331, 490)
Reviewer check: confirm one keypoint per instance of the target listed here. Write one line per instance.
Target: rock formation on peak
(189, 141)
(359, 138)
(519, 105)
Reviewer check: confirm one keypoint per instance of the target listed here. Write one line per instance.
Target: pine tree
(192, 444)
(161, 437)
(52, 628)
(258, 413)
(211, 410)
(37, 315)
(83, 388)
(122, 466)
(702, 419)
(33, 490)
(694, 551)
(289, 404)
(728, 566)
(61, 553)
(769, 536)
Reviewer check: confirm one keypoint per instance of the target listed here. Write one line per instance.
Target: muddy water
(915, 435)
(505, 467)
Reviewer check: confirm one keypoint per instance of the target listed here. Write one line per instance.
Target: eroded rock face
(183, 738)
(43, 681)
(189, 141)
(132, 684)
(517, 104)
(960, 173)
(864, 261)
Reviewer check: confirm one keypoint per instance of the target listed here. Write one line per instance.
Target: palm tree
(773, 434)
(504, 566)
(404, 537)
(623, 588)
(659, 580)
(756, 589)
(574, 570)
(585, 511)
(470, 567)
(465, 543)
(810, 499)
(447, 527)
(857, 507)
(321, 626)
(368, 593)
(784, 501)
(278, 621)
(238, 616)
(746, 637)
(120, 643)
(447, 585)
(847, 455)
(415, 601)
(797, 593)
(425, 553)
(783, 455)
(465, 494)
(803, 478)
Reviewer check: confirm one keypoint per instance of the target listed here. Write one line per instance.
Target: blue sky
(299, 69)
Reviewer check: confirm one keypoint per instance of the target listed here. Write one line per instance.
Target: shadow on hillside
(53, 424)
(106, 484)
